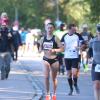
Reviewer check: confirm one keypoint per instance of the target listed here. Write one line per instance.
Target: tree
(32, 13)
(95, 10)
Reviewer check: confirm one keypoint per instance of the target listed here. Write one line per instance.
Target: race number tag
(97, 68)
(85, 38)
(48, 45)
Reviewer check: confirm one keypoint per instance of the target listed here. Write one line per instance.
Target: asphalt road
(35, 67)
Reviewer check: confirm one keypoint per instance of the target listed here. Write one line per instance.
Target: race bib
(97, 68)
(85, 38)
(48, 45)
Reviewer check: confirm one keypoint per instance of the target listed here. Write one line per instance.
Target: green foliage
(95, 10)
(32, 13)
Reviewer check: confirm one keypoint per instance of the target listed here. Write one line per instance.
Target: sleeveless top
(49, 44)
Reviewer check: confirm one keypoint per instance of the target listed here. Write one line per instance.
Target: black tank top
(49, 44)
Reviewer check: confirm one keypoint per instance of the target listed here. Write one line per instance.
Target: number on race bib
(97, 68)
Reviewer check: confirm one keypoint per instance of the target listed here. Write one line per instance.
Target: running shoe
(70, 92)
(47, 97)
(85, 68)
(77, 90)
(54, 97)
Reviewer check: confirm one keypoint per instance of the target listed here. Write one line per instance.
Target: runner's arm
(41, 44)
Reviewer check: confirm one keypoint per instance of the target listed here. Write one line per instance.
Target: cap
(4, 14)
(85, 26)
(98, 28)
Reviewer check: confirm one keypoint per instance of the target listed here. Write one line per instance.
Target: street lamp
(58, 21)
(57, 10)
(16, 22)
(16, 13)
(56, 4)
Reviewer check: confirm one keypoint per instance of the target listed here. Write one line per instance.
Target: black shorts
(95, 75)
(79, 58)
(50, 61)
(71, 63)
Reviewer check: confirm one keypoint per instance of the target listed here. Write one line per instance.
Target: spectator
(6, 40)
(16, 43)
(23, 34)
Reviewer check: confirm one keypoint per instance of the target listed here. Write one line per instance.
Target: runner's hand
(52, 50)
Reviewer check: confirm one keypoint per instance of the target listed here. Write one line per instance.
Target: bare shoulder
(41, 40)
(57, 39)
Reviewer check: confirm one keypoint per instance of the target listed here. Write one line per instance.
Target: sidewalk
(18, 86)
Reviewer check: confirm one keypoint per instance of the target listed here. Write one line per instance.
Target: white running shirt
(71, 42)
